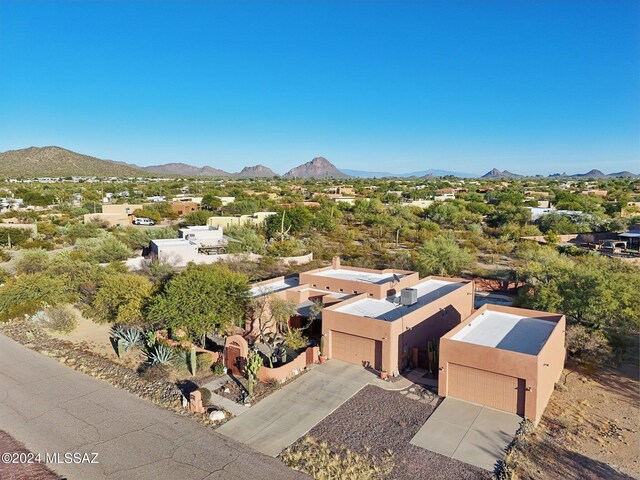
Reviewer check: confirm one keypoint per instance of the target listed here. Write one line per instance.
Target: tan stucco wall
(539, 379)
(109, 218)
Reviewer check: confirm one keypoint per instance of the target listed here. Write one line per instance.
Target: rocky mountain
(186, 170)
(319, 167)
(495, 173)
(591, 174)
(432, 172)
(257, 171)
(59, 162)
(625, 174)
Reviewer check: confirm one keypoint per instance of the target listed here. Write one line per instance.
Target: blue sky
(535, 87)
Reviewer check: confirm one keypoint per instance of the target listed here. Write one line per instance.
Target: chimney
(335, 263)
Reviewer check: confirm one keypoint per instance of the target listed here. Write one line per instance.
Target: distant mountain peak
(495, 173)
(179, 168)
(318, 167)
(257, 171)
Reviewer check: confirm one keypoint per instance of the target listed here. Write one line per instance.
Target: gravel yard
(385, 420)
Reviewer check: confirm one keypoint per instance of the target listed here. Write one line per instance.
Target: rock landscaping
(376, 421)
(163, 393)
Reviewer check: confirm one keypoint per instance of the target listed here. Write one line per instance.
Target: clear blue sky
(532, 86)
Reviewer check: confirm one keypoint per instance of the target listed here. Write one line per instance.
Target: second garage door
(358, 350)
(486, 388)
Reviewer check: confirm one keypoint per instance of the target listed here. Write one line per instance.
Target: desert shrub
(295, 339)
(4, 255)
(181, 357)
(26, 294)
(206, 395)
(61, 319)
(203, 361)
(39, 244)
(218, 369)
(154, 373)
(104, 250)
(32, 261)
(323, 463)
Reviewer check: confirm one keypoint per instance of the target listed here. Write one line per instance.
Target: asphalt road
(56, 410)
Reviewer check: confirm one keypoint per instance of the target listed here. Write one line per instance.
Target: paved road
(279, 420)
(52, 408)
(468, 432)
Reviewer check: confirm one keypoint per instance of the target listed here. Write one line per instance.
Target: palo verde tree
(200, 300)
(443, 256)
(122, 298)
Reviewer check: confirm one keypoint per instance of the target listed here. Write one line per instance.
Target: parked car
(143, 221)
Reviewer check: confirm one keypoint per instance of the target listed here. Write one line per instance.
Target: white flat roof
(507, 332)
(260, 290)
(176, 242)
(390, 308)
(356, 276)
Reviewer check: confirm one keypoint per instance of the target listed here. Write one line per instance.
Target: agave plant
(128, 336)
(161, 355)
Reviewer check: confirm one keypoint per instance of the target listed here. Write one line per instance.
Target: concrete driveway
(286, 415)
(53, 409)
(468, 432)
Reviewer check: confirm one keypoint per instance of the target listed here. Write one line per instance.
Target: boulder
(216, 416)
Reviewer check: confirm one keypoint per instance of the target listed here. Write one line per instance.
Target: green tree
(210, 202)
(201, 299)
(198, 217)
(443, 256)
(122, 298)
(26, 294)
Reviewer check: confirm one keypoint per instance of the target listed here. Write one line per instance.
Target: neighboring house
(227, 200)
(184, 207)
(157, 199)
(206, 237)
(257, 218)
(114, 214)
(536, 212)
(505, 358)
(175, 251)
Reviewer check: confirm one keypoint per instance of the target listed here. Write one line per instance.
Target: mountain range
(55, 161)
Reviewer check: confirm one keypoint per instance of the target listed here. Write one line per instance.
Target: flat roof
(390, 309)
(507, 332)
(276, 286)
(172, 242)
(357, 276)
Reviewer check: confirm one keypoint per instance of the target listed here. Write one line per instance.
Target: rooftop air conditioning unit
(408, 297)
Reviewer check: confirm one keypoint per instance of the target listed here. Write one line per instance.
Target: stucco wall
(280, 374)
(415, 329)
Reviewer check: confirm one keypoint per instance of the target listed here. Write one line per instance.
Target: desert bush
(203, 361)
(62, 318)
(218, 369)
(323, 463)
(206, 395)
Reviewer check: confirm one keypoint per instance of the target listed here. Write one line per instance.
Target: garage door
(486, 388)
(358, 350)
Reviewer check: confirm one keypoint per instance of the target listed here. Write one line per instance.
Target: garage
(491, 389)
(355, 349)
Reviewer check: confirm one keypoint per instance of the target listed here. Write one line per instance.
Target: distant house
(114, 214)
(182, 208)
(257, 218)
